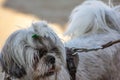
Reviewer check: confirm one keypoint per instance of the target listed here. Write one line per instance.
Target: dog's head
(36, 52)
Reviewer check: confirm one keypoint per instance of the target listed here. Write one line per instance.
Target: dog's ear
(3, 64)
(17, 71)
(13, 69)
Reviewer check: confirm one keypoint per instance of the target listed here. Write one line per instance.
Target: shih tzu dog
(93, 24)
(35, 53)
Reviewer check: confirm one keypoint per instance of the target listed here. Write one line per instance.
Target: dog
(35, 53)
(91, 25)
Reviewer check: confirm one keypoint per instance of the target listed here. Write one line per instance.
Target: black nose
(50, 59)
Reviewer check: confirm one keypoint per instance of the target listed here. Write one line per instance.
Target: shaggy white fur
(94, 23)
(35, 53)
(91, 25)
(93, 17)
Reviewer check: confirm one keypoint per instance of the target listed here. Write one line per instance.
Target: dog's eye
(54, 49)
(42, 52)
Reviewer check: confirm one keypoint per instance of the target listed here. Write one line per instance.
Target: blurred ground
(17, 14)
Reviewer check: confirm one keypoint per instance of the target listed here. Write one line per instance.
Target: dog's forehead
(39, 35)
(42, 28)
(45, 42)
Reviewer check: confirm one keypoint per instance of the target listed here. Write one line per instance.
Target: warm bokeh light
(11, 20)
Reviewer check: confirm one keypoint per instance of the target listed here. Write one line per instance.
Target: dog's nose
(50, 59)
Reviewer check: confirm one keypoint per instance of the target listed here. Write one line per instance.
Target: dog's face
(35, 52)
(48, 57)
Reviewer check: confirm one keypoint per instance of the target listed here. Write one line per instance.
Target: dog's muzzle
(50, 59)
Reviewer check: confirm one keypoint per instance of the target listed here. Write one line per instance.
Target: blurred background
(17, 14)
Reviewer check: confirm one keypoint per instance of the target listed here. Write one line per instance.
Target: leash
(73, 59)
(95, 49)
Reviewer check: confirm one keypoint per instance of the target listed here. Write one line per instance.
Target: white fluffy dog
(35, 53)
(93, 24)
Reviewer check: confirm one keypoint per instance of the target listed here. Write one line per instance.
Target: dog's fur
(35, 53)
(91, 25)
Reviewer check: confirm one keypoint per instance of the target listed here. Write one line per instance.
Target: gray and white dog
(37, 53)
(93, 24)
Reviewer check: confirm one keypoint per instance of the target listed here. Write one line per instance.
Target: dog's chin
(51, 71)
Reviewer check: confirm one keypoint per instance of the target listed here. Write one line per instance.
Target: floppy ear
(3, 64)
(17, 71)
(14, 70)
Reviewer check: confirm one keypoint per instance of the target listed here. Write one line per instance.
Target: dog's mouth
(51, 71)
